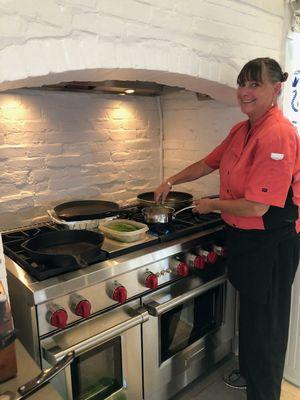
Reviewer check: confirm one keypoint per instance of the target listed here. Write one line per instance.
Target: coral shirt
(262, 164)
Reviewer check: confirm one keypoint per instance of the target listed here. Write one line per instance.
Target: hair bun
(284, 77)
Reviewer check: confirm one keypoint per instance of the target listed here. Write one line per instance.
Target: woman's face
(256, 98)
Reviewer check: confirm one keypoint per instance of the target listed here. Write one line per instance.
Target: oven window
(185, 324)
(98, 373)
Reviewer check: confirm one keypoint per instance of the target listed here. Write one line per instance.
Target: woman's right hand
(161, 192)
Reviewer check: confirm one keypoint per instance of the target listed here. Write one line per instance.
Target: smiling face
(256, 98)
(259, 84)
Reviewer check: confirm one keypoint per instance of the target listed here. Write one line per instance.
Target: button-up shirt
(260, 163)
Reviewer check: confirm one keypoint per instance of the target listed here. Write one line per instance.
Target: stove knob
(119, 293)
(80, 306)
(220, 250)
(179, 268)
(182, 269)
(150, 280)
(199, 262)
(194, 261)
(209, 257)
(83, 309)
(58, 318)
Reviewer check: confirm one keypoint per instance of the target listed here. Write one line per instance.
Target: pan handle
(54, 218)
(183, 209)
(80, 261)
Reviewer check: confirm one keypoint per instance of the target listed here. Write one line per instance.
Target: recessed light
(129, 91)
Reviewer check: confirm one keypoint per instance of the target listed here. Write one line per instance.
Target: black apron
(251, 257)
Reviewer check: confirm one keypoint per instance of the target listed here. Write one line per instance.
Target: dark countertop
(27, 369)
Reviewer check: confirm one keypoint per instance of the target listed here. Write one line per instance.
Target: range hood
(136, 88)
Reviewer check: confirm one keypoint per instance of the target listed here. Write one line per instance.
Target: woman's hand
(204, 206)
(161, 192)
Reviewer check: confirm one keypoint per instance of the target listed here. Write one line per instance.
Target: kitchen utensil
(65, 248)
(39, 381)
(132, 236)
(85, 210)
(174, 200)
(161, 214)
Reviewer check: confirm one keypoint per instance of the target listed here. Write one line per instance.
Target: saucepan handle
(183, 209)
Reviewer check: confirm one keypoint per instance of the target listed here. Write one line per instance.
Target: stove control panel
(203, 257)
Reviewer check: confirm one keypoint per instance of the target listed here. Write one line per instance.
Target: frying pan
(174, 200)
(64, 248)
(85, 209)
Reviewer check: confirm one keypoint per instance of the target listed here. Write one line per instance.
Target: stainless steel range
(144, 319)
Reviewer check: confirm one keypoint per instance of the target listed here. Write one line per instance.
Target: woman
(259, 165)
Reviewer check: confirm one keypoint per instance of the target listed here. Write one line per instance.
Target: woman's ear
(277, 88)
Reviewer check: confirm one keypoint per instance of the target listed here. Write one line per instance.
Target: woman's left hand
(204, 206)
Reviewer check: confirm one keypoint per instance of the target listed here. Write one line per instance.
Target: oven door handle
(155, 309)
(54, 353)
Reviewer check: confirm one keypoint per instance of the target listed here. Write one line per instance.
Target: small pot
(161, 214)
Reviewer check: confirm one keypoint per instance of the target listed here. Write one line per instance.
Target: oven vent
(137, 88)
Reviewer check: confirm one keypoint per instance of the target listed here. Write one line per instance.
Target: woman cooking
(259, 166)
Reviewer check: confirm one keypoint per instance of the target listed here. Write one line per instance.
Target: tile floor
(211, 387)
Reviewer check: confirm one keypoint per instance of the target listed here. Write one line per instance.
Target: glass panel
(185, 324)
(98, 373)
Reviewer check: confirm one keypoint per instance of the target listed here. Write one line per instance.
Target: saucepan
(161, 214)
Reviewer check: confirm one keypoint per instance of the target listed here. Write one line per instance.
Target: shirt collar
(272, 111)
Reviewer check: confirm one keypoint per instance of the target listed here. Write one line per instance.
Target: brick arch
(215, 89)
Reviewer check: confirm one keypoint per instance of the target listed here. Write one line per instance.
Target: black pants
(263, 328)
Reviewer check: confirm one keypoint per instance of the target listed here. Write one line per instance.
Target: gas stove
(187, 224)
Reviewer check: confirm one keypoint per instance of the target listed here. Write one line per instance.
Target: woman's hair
(260, 69)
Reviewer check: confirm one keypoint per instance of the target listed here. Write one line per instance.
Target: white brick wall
(50, 41)
(57, 147)
(193, 128)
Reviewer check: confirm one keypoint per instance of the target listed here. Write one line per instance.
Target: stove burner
(159, 229)
(185, 224)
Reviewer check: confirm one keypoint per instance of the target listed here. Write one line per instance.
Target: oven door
(189, 330)
(107, 362)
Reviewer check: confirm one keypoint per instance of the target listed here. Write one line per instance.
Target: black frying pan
(64, 248)
(174, 200)
(85, 210)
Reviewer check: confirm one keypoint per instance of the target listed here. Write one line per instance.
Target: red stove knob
(151, 280)
(209, 257)
(83, 309)
(120, 294)
(194, 261)
(199, 262)
(182, 269)
(179, 267)
(80, 306)
(58, 318)
(220, 250)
